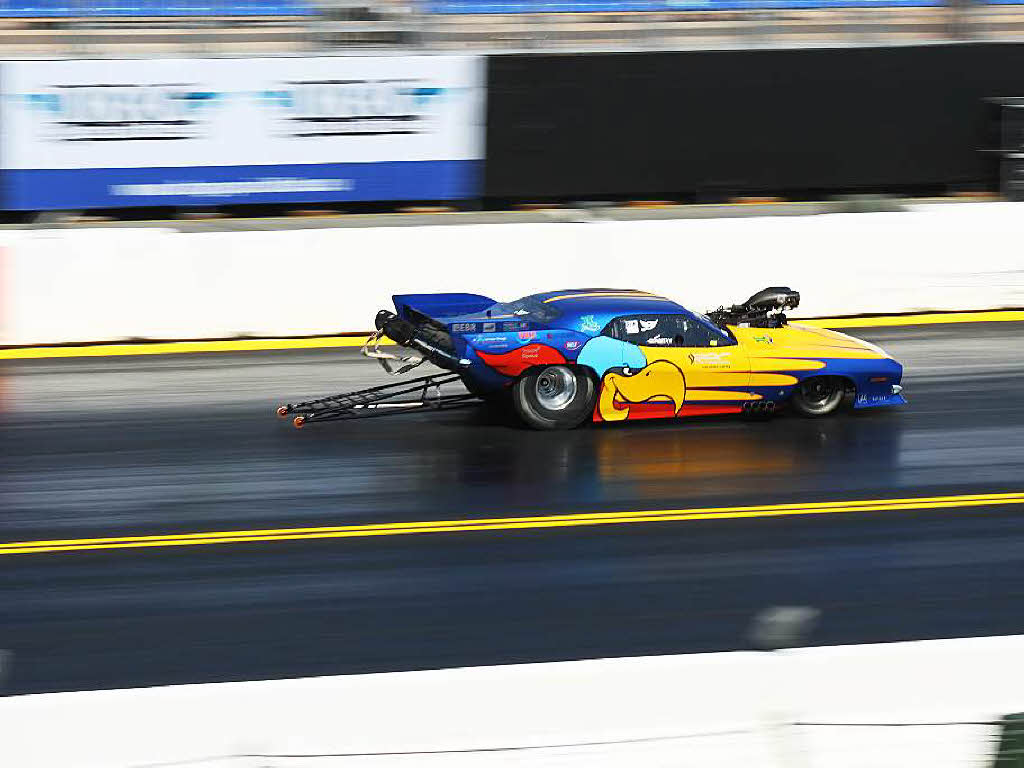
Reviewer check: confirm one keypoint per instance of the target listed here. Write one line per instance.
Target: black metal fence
(709, 125)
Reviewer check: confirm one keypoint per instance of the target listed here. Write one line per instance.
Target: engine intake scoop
(769, 299)
(756, 312)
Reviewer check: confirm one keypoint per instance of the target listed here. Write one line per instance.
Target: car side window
(697, 335)
(666, 331)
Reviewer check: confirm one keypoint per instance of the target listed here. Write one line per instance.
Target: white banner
(98, 133)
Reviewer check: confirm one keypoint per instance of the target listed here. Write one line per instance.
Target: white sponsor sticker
(709, 358)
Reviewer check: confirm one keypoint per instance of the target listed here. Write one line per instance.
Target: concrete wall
(110, 284)
(719, 709)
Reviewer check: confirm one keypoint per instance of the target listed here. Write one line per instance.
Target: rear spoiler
(435, 305)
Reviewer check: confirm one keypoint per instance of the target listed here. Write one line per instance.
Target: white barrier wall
(111, 284)
(707, 710)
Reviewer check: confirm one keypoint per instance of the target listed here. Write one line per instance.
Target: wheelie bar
(425, 393)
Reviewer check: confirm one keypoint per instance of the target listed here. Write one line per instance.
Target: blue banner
(37, 190)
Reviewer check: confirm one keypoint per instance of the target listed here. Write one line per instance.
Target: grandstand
(96, 9)
(145, 27)
(31, 28)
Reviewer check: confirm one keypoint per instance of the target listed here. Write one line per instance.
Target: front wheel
(554, 397)
(818, 396)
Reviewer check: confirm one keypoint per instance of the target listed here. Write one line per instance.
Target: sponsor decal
(525, 336)
(572, 345)
(632, 326)
(518, 360)
(514, 326)
(463, 327)
(764, 339)
(710, 359)
(227, 188)
(658, 341)
(315, 107)
(648, 325)
(705, 358)
(489, 327)
(864, 398)
(588, 324)
(132, 111)
(488, 341)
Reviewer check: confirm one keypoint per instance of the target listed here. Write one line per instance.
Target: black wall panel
(707, 122)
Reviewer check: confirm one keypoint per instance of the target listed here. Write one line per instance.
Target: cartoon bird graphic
(660, 380)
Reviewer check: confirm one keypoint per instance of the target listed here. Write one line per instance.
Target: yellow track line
(331, 342)
(182, 347)
(509, 523)
(931, 318)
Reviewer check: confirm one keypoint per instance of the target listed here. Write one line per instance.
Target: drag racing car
(565, 357)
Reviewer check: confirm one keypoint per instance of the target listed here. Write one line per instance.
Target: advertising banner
(117, 133)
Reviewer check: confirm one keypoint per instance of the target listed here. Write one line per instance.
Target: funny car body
(609, 355)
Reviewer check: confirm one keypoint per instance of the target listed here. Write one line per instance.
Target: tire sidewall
(534, 415)
(808, 411)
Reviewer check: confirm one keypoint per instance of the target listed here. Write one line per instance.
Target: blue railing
(51, 9)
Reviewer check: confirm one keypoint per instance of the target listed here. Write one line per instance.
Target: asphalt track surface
(188, 443)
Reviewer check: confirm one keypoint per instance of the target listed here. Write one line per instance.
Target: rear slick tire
(818, 396)
(554, 397)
